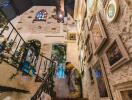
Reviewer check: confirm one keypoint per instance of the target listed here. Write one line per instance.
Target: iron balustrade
(47, 64)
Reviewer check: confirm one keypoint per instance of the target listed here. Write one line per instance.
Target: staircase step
(18, 81)
(69, 99)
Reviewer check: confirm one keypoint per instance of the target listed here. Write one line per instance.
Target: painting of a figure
(114, 54)
(100, 82)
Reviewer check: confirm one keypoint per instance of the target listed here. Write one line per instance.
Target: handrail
(48, 78)
(11, 24)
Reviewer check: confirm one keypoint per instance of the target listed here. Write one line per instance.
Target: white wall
(72, 54)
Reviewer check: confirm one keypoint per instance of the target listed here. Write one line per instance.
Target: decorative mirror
(112, 10)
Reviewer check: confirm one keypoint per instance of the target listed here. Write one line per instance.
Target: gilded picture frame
(98, 65)
(129, 3)
(89, 51)
(71, 36)
(116, 54)
(122, 90)
(98, 35)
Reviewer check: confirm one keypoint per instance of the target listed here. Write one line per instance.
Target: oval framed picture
(91, 6)
(112, 10)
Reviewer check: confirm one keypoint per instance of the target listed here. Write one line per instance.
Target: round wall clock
(112, 10)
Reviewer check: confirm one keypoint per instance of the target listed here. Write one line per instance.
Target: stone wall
(121, 26)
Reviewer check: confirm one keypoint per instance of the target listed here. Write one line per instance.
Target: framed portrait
(88, 49)
(98, 34)
(100, 79)
(112, 10)
(71, 36)
(116, 54)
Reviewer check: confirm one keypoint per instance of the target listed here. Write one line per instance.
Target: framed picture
(88, 49)
(104, 2)
(116, 54)
(90, 20)
(98, 34)
(100, 79)
(91, 6)
(129, 3)
(91, 75)
(124, 90)
(112, 10)
(71, 36)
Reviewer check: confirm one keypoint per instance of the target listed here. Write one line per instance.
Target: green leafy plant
(3, 21)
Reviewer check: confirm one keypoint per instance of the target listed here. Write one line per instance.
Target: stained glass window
(41, 15)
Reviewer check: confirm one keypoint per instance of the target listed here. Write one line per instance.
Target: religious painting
(116, 54)
(100, 80)
(112, 10)
(89, 50)
(41, 15)
(98, 35)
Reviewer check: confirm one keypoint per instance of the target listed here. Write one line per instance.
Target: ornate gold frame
(98, 22)
(88, 52)
(116, 5)
(123, 51)
(100, 62)
(122, 87)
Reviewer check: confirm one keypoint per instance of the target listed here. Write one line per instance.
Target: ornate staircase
(16, 80)
(18, 83)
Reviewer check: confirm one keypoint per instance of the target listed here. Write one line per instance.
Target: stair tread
(69, 99)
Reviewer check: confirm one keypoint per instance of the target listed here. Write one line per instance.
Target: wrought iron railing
(47, 79)
(45, 66)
